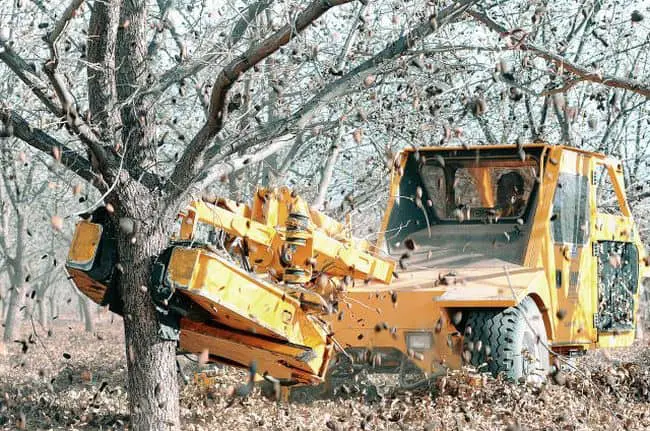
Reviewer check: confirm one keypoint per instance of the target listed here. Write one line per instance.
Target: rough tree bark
(152, 380)
(152, 384)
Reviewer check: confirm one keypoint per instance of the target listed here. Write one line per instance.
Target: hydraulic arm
(245, 283)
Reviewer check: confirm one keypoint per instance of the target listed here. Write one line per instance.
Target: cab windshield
(465, 207)
(463, 190)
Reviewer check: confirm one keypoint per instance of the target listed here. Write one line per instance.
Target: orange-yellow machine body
(465, 229)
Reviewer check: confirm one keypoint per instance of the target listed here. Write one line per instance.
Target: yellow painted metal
(372, 320)
(84, 245)
(327, 244)
(257, 316)
(239, 348)
(233, 223)
(576, 302)
(254, 314)
(259, 306)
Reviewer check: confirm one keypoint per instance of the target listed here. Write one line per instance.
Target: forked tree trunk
(12, 321)
(152, 380)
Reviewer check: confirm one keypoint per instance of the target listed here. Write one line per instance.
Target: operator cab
(465, 207)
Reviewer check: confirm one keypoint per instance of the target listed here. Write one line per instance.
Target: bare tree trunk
(53, 308)
(28, 309)
(4, 298)
(5, 307)
(328, 171)
(43, 317)
(152, 379)
(88, 315)
(12, 322)
(80, 308)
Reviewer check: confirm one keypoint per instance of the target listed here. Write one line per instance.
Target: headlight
(419, 340)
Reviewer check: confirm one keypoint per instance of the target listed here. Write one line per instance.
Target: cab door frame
(611, 228)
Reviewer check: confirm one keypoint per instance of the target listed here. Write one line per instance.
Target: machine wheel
(510, 341)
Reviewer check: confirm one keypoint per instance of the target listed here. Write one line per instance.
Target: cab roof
(536, 145)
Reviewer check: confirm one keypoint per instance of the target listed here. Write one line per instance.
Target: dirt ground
(75, 380)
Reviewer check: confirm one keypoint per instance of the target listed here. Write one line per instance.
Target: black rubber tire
(507, 343)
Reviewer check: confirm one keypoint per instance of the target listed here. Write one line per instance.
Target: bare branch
(78, 125)
(568, 84)
(485, 127)
(356, 76)
(531, 120)
(353, 78)
(185, 70)
(62, 23)
(71, 114)
(560, 61)
(340, 63)
(164, 6)
(237, 163)
(328, 171)
(47, 144)
(22, 69)
(192, 161)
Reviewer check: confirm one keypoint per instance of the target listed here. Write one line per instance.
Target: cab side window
(570, 222)
(606, 199)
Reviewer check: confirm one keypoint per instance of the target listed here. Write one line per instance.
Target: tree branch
(20, 67)
(392, 51)
(340, 63)
(62, 23)
(355, 77)
(47, 144)
(192, 161)
(531, 121)
(236, 163)
(78, 124)
(327, 172)
(560, 61)
(185, 70)
(164, 6)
